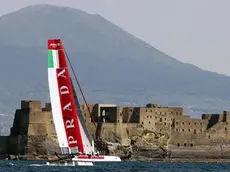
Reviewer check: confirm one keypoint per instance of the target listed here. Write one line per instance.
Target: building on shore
(33, 133)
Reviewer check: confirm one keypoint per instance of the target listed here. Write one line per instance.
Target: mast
(62, 100)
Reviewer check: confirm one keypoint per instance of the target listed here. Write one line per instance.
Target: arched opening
(178, 144)
(194, 131)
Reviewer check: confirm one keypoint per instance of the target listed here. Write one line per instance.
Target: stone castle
(151, 131)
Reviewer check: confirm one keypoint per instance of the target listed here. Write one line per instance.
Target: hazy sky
(193, 31)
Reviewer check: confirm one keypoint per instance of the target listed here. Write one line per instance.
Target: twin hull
(100, 158)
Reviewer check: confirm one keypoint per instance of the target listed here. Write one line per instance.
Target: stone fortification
(32, 133)
(139, 132)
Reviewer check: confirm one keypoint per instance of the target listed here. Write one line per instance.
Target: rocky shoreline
(130, 159)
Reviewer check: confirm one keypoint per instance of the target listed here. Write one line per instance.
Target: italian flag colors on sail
(68, 128)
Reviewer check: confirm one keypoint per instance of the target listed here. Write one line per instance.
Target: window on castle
(142, 122)
(189, 123)
(165, 123)
(194, 131)
(182, 129)
(160, 119)
(155, 117)
(131, 110)
(200, 123)
(149, 122)
(194, 123)
(185, 144)
(226, 128)
(146, 110)
(150, 116)
(191, 144)
(151, 110)
(147, 116)
(165, 118)
(165, 113)
(178, 144)
(183, 123)
(188, 129)
(177, 123)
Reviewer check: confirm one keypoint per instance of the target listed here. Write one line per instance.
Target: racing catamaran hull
(100, 158)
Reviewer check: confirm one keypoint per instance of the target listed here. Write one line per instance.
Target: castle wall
(33, 130)
(86, 114)
(17, 144)
(131, 115)
(3, 145)
(20, 121)
(158, 119)
(110, 131)
(34, 106)
(39, 123)
(109, 114)
(189, 126)
(213, 119)
(202, 152)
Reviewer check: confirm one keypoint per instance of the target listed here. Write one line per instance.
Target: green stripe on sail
(50, 59)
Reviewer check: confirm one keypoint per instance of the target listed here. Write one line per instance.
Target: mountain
(113, 66)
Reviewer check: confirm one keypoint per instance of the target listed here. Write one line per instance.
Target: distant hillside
(113, 66)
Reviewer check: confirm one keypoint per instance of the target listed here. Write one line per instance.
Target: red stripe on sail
(62, 58)
(68, 107)
(54, 44)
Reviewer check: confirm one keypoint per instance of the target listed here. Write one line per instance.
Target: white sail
(53, 64)
(86, 139)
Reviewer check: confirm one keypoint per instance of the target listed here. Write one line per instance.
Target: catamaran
(72, 133)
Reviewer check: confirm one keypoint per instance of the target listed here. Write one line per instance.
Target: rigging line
(79, 86)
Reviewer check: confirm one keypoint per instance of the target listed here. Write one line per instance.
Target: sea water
(33, 166)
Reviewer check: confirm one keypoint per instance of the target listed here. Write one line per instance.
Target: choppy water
(33, 166)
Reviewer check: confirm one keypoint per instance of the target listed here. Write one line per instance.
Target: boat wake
(38, 165)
